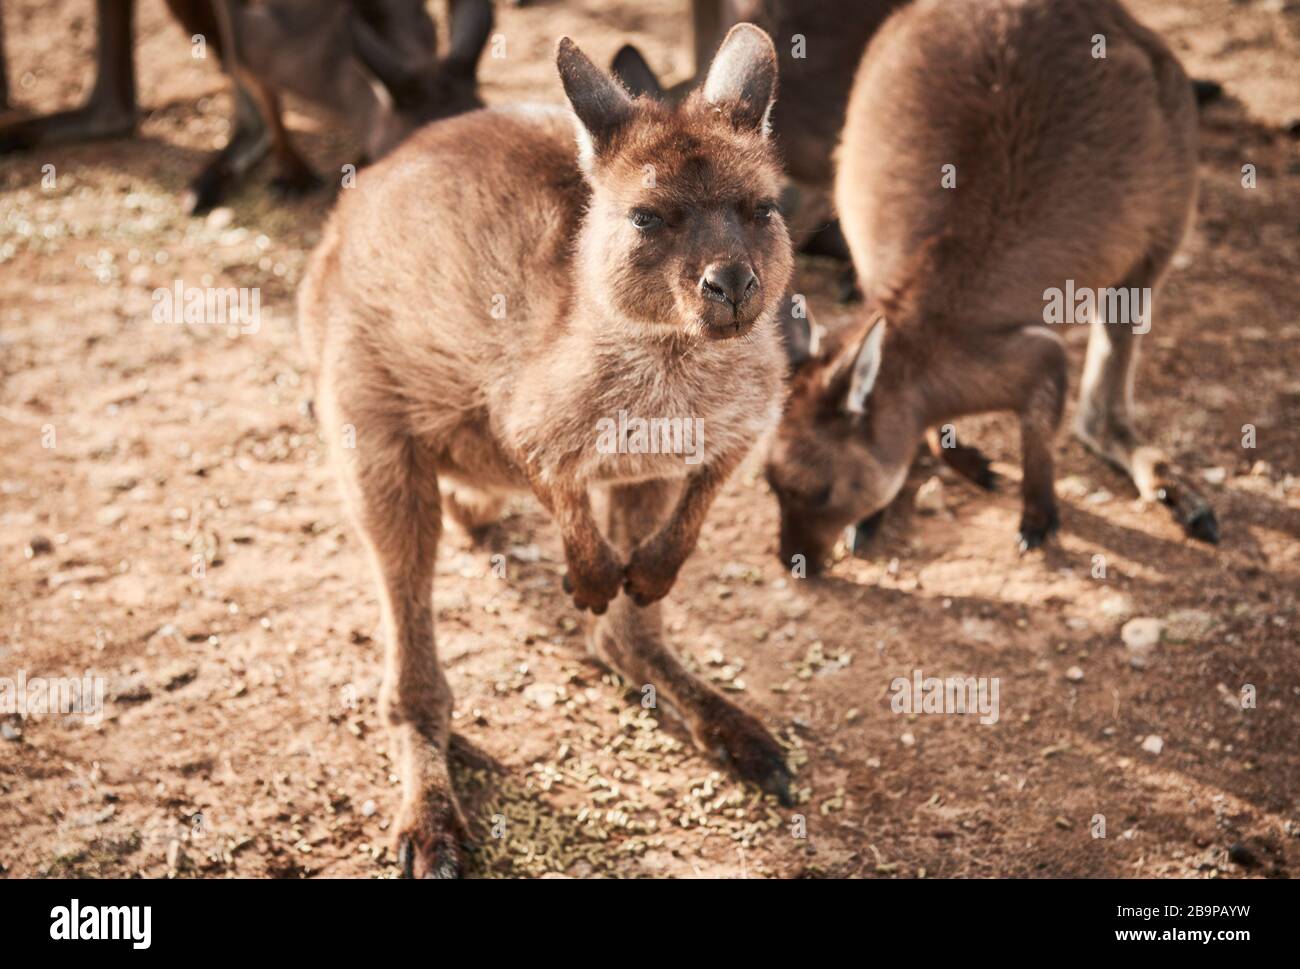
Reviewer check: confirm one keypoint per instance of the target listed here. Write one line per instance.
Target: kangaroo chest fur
(620, 408)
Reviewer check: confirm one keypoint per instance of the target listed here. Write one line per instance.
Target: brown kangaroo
(1071, 170)
(491, 295)
(329, 53)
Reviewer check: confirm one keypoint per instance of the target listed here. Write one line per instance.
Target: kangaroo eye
(645, 221)
(763, 211)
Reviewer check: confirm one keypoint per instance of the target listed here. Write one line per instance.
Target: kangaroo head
(396, 41)
(844, 445)
(682, 233)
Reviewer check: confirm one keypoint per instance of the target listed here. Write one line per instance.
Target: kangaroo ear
(395, 72)
(599, 102)
(631, 68)
(798, 331)
(742, 79)
(471, 24)
(853, 374)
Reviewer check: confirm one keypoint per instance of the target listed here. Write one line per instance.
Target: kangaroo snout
(729, 283)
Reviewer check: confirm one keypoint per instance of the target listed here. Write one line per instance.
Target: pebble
(38, 545)
(1074, 674)
(929, 497)
(9, 732)
(175, 855)
(221, 217)
(1214, 475)
(1239, 854)
(1186, 625)
(85, 575)
(525, 553)
(108, 517)
(368, 809)
(1141, 636)
(543, 695)
(1153, 744)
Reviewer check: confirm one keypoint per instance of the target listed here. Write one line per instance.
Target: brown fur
(1067, 168)
(493, 209)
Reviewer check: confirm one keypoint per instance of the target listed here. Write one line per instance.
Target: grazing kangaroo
(332, 54)
(486, 302)
(336, 54)
(1071, 171)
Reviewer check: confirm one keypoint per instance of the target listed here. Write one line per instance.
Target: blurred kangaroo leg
(967, 461)
(1104, 422)
(246, 147)
(110, 110)
(250, 140)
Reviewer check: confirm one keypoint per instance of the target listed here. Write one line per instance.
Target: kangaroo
(482, 307)
(332, 54)
(1071, 171)
(372, 62)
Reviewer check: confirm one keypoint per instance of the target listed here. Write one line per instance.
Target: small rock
(1153, 744)
(38, 545)
(1261, 469)
(1098, 497)
(85, 575)
(368, 809)
(1073, 487)
(1241, 855)
(908, 739)
(1117, 606)
(525, 553)
(1188, 625)
(542, 695)
(179, 676)
(929, 497)
(176, 859)
(130, 689)
(110, 516)
(1214, 475)
(1141, 636)
(1074, 674)
(220, 218)
(10, 732)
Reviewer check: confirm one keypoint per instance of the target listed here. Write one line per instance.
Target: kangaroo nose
(728, 282)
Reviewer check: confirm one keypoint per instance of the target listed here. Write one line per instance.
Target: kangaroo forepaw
(652, 570)
(593, 588)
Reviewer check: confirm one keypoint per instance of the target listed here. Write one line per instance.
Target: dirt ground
(198, 557)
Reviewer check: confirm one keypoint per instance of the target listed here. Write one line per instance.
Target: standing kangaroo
(488, 299)
(1067, 170)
